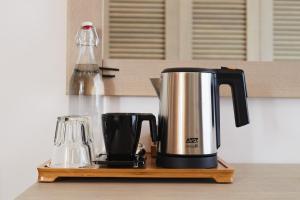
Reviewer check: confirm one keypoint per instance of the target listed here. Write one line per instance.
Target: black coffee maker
(121, 135)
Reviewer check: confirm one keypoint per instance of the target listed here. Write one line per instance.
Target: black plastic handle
(108, 69)
(235, 78)
(152, 122)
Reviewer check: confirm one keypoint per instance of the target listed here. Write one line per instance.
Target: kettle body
(189, 115)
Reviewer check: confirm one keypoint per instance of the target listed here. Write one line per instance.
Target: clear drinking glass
(73, 143)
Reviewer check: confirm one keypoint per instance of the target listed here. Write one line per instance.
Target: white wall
(272, 136)
(32, 85)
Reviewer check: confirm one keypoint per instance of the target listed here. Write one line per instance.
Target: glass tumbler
(72, 143)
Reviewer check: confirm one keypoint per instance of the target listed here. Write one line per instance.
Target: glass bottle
(86, 88)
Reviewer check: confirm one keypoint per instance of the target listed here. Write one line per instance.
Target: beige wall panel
(264, 79)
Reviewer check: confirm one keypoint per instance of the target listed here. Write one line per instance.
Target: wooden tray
(222, 174)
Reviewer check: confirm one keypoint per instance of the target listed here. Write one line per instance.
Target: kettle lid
(188, 69)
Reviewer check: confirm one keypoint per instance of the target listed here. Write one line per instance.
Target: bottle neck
(86, 55)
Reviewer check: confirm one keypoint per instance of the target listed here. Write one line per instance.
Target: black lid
(188, 69)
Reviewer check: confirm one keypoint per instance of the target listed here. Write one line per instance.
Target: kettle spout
(156, 84)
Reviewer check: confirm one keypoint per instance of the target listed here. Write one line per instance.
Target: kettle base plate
(187, 161)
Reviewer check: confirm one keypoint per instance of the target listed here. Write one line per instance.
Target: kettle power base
(221, 174)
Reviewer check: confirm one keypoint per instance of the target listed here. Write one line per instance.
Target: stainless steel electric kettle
(189, 116)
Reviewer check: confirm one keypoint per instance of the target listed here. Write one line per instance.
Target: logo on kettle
(191, 140)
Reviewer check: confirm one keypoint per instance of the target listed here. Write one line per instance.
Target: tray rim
(222, 174)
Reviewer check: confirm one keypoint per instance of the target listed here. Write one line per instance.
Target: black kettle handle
(152, 122)
(235, 78)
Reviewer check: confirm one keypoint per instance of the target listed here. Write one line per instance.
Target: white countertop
(252, 181)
